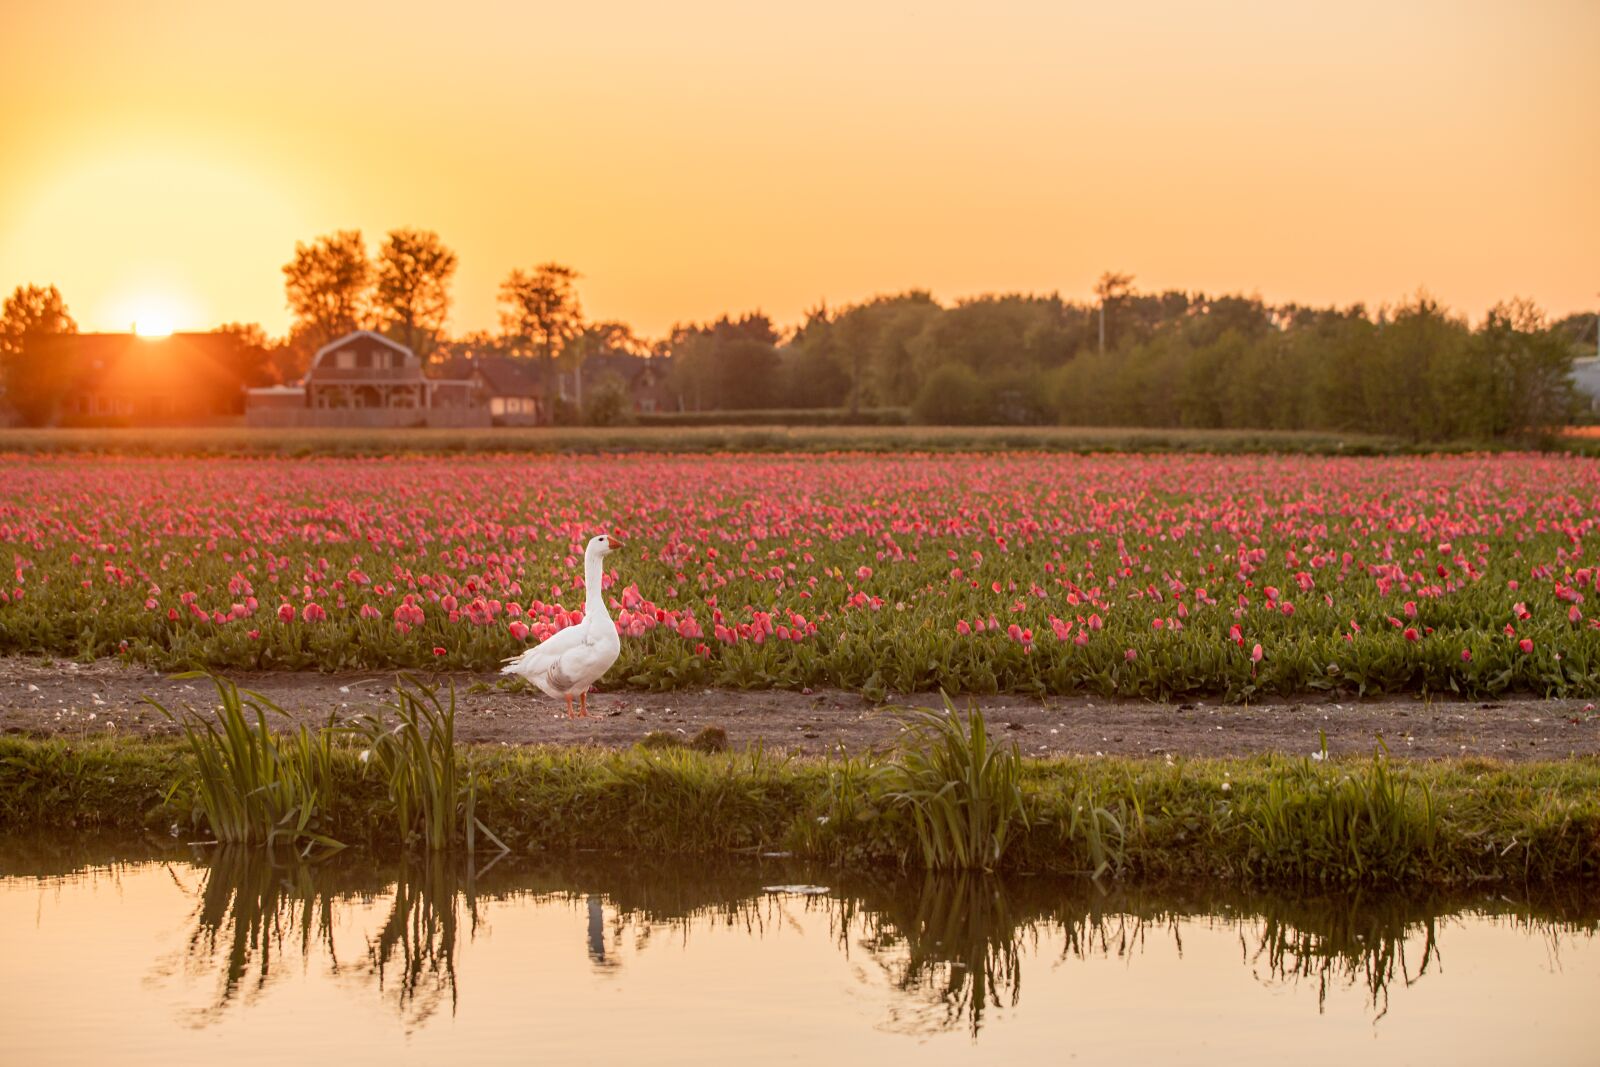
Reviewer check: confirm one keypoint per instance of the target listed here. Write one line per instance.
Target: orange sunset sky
(162, 158)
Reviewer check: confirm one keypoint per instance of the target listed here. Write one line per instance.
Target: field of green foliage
(1119, 574)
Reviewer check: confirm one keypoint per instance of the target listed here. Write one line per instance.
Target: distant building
(122, 379)
(512, 389)
(1586, 376)
(365, 379)
(509, 389)
(643, 378)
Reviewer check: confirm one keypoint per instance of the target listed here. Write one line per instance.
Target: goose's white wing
(541, 657)
(568, 661)
(579, 668)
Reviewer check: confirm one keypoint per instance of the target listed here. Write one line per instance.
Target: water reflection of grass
(951, 948)
(254, 914)
(252, 911)
(1353, 942)
(418, 941)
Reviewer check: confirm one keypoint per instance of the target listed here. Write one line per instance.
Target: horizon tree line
(1132, 358)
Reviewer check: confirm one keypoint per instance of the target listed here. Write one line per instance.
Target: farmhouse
(365, 379)
(510, 389)
(122, 379)
(644, 380)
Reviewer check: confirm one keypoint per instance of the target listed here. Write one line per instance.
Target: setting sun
(150, 312)
(153, 323)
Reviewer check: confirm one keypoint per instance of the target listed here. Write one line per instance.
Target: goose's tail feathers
(514, 663)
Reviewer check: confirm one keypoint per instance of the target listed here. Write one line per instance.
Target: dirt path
(70, 699)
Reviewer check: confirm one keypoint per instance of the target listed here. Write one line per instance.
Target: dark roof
(622, 364)
(507, 377)
(128, 363)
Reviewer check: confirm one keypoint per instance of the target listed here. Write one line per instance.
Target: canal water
(144, 954)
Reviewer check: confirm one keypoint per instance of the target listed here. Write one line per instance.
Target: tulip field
(1150, 576)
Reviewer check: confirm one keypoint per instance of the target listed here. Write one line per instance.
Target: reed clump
(963, 791)
(432, 792)
(251, 784)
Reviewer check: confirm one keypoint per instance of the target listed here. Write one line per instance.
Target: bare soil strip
(44, 698)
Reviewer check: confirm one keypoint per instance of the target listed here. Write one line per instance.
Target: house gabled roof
(623, 364)
(340, 342)
(508, 377)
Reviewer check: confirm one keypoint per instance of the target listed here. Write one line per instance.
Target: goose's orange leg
(569, 706)
(583, 704)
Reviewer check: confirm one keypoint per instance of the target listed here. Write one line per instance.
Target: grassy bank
(1267, 820)
(233, 441)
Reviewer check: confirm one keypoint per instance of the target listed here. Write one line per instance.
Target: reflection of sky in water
(601, 961)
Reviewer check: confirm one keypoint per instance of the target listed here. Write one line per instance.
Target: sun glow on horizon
(154, 314)
(153, 325)
(154, 237)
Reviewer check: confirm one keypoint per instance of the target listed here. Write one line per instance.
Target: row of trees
(1175, 359)
(1418, 373)
(1127, 358)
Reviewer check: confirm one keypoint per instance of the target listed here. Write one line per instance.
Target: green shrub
(953, 395)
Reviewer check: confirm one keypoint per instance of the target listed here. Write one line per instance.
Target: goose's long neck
(594, 598)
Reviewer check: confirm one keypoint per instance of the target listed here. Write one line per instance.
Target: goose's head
(602, 545)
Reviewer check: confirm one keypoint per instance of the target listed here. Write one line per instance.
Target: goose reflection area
(614, 959)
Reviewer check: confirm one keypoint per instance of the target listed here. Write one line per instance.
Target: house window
(345, 359)
(102, 404)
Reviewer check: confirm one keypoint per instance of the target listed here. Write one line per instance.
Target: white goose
(569, 661)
